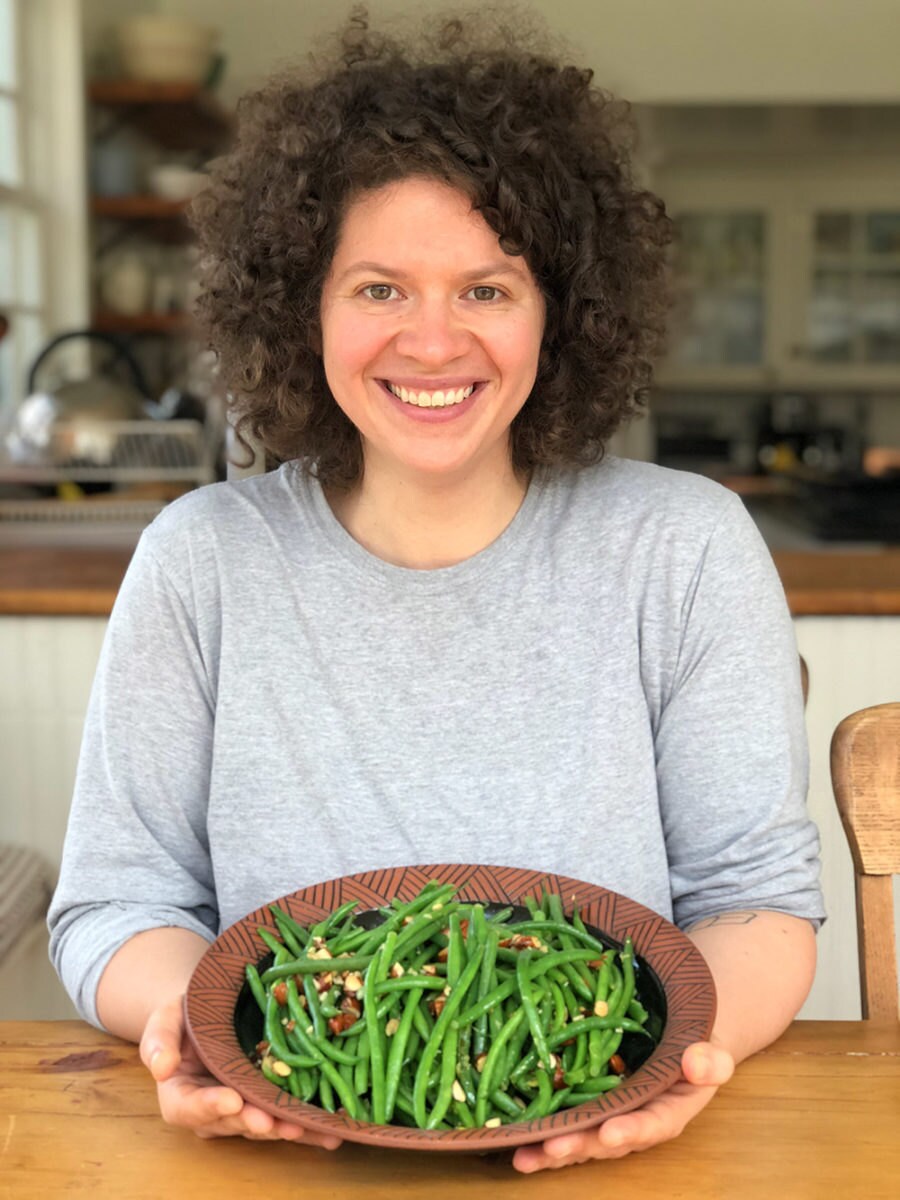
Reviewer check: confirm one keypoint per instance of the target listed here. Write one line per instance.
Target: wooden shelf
(178, 116)
(151, 322)
(138, 208)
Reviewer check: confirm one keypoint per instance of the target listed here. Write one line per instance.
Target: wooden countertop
(84, 581)
(814, 1115)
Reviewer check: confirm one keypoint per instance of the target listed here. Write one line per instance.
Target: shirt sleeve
(731, 751)
(136, 854)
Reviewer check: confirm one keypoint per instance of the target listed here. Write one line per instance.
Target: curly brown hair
(545, 157)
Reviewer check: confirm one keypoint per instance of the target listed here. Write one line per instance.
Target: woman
(446, 627)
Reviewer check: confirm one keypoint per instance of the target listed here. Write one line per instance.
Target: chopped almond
(350, 1004)
(437, 1005)
(341, 1022)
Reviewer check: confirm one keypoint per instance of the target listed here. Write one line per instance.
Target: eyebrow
(490, 270)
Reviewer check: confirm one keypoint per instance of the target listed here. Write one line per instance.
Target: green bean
(285, 919)
(531, 1013)
(484, 981)
(361, 1070)
(291, 942)
(589, 1023)
(557, 927)
(395, 1056)
(448, 1074)
(314, 966)
(325, 926)
(507, 1105)
(375, 1031)
(435, 1041)
(405, 983)
(273, 944)
(456, 950)
(255, 983)
(496, 1052)
(540, 1106)
(313, 1007)
(326, 1093)
(598, 1086)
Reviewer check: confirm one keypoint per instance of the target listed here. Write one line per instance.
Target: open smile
(446, 397)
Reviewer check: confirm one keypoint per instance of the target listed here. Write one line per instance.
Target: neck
(425, 523)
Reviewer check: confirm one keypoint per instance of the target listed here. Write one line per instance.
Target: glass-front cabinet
(781, 281)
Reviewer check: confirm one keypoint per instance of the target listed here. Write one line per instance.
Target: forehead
(418, 220)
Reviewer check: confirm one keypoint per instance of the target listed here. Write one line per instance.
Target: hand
(705, 1067)
(190, 1097)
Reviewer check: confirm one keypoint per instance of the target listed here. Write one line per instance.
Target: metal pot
(75, 421)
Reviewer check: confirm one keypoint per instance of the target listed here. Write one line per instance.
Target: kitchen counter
(50, 580)
(61, 581)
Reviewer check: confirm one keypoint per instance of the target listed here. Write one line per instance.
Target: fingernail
(559, 1148)
(153, 1057)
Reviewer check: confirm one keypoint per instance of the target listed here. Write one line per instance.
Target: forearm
(149, 970)
(763, 964)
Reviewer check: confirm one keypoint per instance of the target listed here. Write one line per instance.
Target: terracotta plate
(673, 982)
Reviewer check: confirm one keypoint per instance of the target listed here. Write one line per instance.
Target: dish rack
(143, 464)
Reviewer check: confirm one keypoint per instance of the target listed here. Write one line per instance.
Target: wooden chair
(865, 774)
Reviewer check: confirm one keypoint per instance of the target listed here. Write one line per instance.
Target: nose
(433, 334)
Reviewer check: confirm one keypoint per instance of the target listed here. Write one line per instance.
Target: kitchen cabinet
(786, 278)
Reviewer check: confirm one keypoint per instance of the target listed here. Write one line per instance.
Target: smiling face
(430, 334)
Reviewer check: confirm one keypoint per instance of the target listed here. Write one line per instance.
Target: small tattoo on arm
(729, 918)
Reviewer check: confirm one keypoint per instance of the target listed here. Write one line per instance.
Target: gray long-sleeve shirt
(610, 690)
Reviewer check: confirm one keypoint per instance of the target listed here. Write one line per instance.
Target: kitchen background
(772, 131)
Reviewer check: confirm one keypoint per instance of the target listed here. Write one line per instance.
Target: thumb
(160, 1047)
(705, 1064)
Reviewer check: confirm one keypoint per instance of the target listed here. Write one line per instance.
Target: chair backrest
(865, 774)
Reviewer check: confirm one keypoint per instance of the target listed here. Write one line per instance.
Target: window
(23, 289)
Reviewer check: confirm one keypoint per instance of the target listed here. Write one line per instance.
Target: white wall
(649, 50)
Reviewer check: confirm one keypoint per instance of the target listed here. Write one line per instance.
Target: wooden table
(814, 1117)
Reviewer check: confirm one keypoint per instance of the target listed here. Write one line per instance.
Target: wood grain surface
(814, 1117)
(84, 581)
(865, 772)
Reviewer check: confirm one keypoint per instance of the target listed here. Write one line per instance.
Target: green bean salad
(442, 1016)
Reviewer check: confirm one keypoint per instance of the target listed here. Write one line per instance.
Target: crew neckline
(423, 578)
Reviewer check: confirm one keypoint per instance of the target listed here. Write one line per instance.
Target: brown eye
(378, 291)
(483, 292)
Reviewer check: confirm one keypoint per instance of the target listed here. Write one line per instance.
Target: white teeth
(438, 399)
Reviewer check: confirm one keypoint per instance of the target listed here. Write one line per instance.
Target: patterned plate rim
(219, 976)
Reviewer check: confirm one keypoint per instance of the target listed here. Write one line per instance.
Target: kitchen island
(83, 581)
